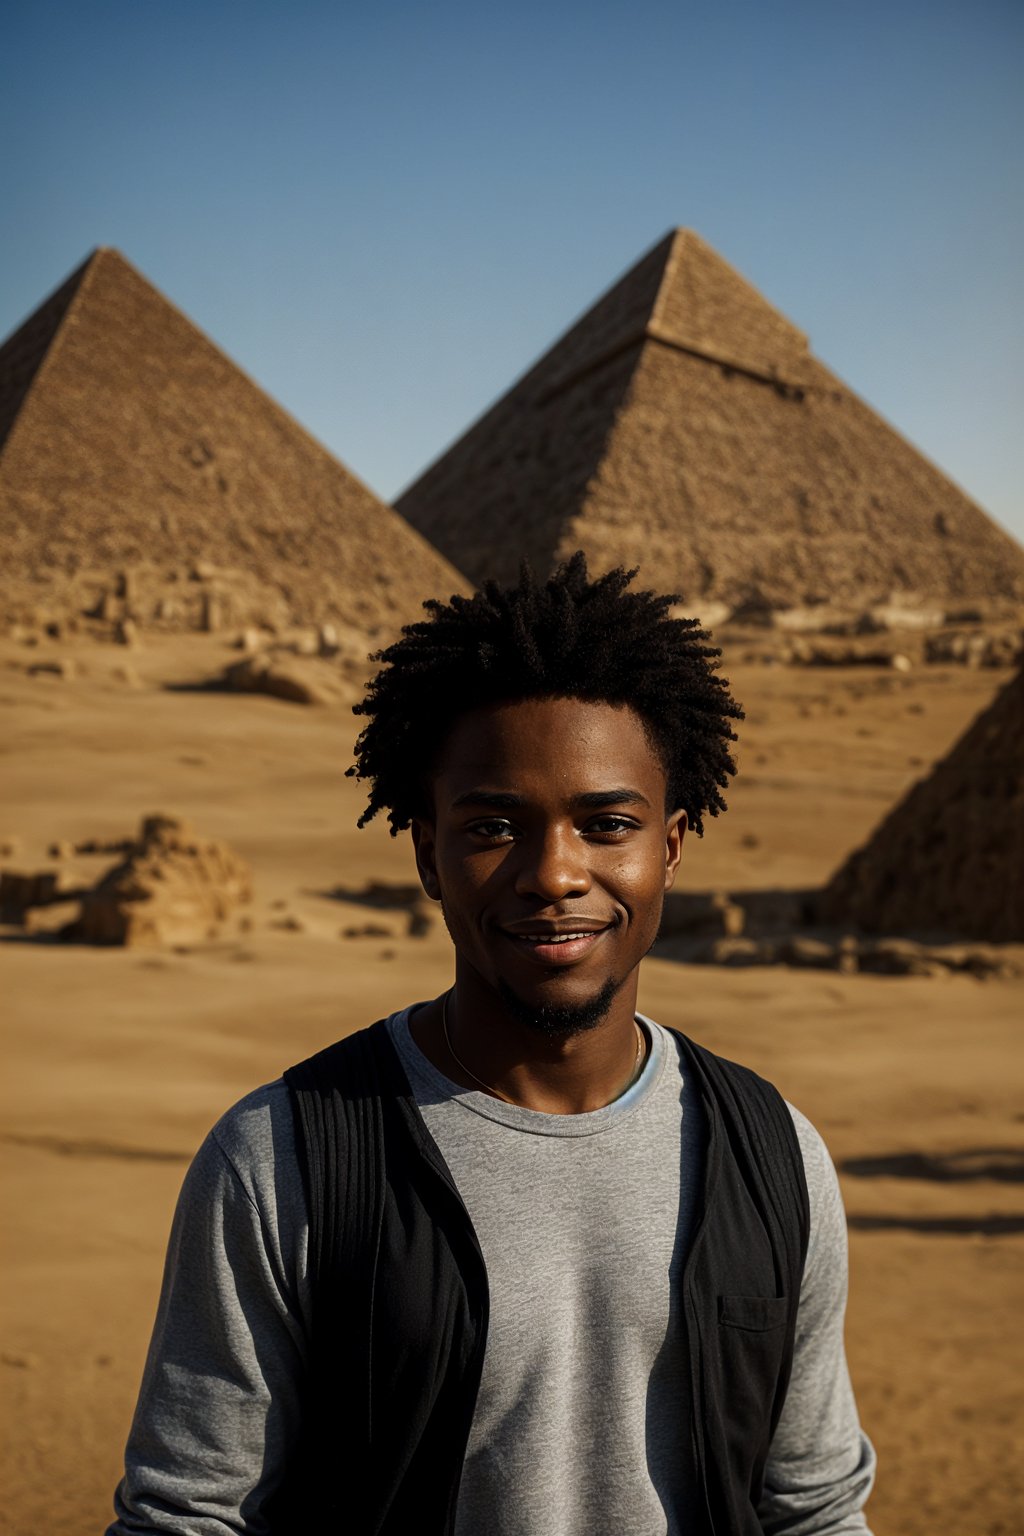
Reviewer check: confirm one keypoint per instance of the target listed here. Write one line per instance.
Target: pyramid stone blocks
(949, 858)
(126, 437)
(684, 426)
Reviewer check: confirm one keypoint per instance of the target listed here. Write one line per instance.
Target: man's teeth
(554, 938)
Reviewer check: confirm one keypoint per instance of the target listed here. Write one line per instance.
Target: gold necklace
(516, 1103)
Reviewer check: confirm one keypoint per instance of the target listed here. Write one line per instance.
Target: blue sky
(384, 214)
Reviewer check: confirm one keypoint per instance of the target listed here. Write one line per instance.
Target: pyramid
(949, 858)
(683, 425)
(127, 437)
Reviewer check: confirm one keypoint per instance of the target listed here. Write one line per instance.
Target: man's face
(550, 849)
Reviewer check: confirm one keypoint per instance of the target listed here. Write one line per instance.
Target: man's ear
(675, 831)
(424, 842)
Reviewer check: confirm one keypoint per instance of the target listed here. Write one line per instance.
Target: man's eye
(605, 826)
(493, 829)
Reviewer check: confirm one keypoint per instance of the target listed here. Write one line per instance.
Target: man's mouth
(557, 938)
(556, 946)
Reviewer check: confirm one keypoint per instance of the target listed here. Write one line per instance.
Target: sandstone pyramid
(126, 436)
(682, 425)
(949, 857)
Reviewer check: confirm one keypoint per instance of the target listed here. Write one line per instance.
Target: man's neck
(470, 1036)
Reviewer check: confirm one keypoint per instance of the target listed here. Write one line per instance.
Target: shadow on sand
(1002, 1165)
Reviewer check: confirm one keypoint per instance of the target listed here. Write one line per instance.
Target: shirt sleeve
(218, 1410)
(821, 1466)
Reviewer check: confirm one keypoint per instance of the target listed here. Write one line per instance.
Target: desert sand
(119, 1059)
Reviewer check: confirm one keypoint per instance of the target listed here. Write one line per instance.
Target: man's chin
(559, 1021)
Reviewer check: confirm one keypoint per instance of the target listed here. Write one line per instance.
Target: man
(515, 1260)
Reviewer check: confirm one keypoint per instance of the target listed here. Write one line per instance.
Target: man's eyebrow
(591, 800)
(498, 800)
(597, 799)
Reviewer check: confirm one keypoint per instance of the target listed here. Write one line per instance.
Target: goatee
(560, 1022)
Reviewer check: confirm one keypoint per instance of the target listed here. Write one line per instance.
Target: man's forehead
(575, 799)
(579, 746)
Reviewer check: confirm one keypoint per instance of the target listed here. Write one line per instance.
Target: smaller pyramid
(128, 439)
(949, 858)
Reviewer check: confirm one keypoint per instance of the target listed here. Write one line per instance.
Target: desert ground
(119, 1059)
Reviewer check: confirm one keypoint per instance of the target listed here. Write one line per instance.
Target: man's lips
(557, 944)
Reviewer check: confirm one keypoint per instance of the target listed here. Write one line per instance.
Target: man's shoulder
(258, 1138)
(257, 1133)
(740, 1078)
(812, 1145)
(360, 1063)
(814, 1153)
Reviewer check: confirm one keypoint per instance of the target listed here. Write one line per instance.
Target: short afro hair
(567, 637)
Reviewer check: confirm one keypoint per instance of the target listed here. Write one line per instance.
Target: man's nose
(553, 865)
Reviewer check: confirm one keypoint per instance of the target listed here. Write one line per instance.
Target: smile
(554, 938)
(557, 948)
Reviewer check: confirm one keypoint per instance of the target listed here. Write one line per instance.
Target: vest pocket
(756, 1314)
(751, 1348)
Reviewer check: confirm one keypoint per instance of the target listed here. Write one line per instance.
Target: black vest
(396, 1356)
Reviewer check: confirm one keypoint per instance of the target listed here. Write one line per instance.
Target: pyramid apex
(104, 257)
(682, 234)
(706, 306)
(97, 253)
(109, 252)
(110, 256)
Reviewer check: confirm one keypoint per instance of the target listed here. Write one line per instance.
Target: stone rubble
(174, 887)
(296, 679)
(170, 886)
(850, 954)
(793, 928)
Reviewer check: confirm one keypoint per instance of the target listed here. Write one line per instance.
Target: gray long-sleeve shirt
(584, 1222)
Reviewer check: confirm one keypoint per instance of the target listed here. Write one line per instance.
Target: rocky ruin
(174, 887)
(793, 928)
(170, 886)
